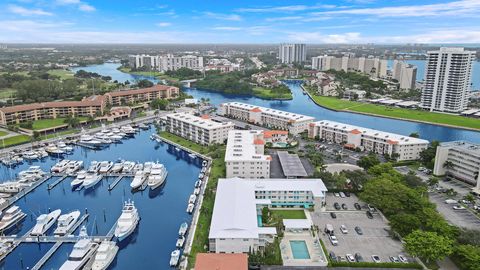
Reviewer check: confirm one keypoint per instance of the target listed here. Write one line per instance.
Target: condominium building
(165, 62)
(238, 203)
(371, 66)
(275, 119)
(292, 53)
(201, 130)
(143, 95)
(404, 147)
(405, 74)
(88, 106)
(459, 160)
(448, 78)
(244, 156)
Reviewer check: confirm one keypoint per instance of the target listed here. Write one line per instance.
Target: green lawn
(63, 74)
(10, 141)
(393, 112)
(184, 142)
(3, 133)
(56, 134)
(156, 74)
(268, 94)
(7, 93)
(289, 214)
(48, 123)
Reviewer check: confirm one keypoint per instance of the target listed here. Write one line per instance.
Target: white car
(343, 229)
(350, 258)
(333, 240)
(402, 258)
(336, 194)
(376, 259)
(342, 195)
(458, 207)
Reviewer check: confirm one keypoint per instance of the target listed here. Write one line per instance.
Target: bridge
(188, 83)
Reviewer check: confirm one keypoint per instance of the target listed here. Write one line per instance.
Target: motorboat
(94, 167)
(142, 126)
(106, 252)
(198, 183)
(130, 131)
(204, 169)
(157, 175)
(174, 257)
(30, 155)
(204, 163)
(74, 166)
(82, 252)
(192, 199)
(54, 151)
(44, 222)
(114, 137)
(190, 208)
(128, 166)
(60, 167)
(137, 167)
(11, 187)
(103, 139)
(89, 140)
(33, 173)
(200, 176)
(91, 179)
(11, 217)
(78, 181)
(66, 222)
(183, 229)
(118, 166)
(127, 222)
(147, 167)
(196, 191)
(42, 153)
(105, 166)
(180, 242)
(138, 180)
(192, 156)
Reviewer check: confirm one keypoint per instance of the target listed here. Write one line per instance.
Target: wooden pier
(58, 181)
(115, 183)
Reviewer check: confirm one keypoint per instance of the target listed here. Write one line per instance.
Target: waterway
(161, 211)
(303, 105)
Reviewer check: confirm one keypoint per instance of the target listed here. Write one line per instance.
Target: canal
(302, 104)
(161, 211)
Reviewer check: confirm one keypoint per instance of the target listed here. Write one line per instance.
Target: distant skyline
(207, 21)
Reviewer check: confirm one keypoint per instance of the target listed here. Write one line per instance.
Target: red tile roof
(256, 110)
(86, 102)
(392, 142)
(258, 142)
(216, 261)
(270, 133)
(205, 116)
(155, 88)
(355, 131)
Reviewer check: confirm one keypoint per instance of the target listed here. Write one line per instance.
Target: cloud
(286, 18)
(28, 12)
(82, 6)
(163, 24)
(226, 17)
(456, 8)
(86, 7)
(285, 9)
(227, 28)
(317, 37)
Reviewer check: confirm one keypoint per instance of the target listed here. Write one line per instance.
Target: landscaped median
(15, 140)
(267, 93)
(337, 104)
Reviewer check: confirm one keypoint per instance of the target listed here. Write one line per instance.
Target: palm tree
(448, 165)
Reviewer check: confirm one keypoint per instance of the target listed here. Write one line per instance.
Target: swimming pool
(299, 249)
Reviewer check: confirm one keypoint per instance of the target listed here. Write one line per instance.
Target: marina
(101, 205)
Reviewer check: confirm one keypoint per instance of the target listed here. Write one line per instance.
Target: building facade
(244, 156)
(404, 147)
(165, 62)
(374, 67)
(459, 160)
(405, 74)
(143, 95)
(292, 53)
(275, 119)
(448, 78)
(201, 130)
(239, 202)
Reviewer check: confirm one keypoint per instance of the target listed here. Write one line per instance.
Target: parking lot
(375, 239)
(461, 218)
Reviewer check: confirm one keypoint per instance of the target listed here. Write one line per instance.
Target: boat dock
(85, 145)
(24, 192)
(58, 181)
(181, 147)
(115, 183)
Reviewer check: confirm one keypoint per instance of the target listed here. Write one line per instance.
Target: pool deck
(317, 257)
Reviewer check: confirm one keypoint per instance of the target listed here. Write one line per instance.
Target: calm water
(110, 69)
(302, 104)
(161, 211)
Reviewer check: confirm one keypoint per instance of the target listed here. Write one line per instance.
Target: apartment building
(201, 130)
(459, 160)
(143, 95)
(88, 106)
(165, 62)
(448, 78)
(244, 156)
(374, 67)
(275, 119)
(405, 147)
(405, 74)
(292, 53)
(239, 202)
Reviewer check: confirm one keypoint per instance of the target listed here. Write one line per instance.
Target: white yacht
(118, 166)
(127, 222)
(130, 131)
(54, 151)
(11, 217)
(174, 257)
(79, 179)
(190, 208)
(106, 252)
(11, 187)
(73, 166)
(89, 140)
(196, 191)
(30, 155)
(105, 166)
(183, 229)
(128, 166)
(94, 166)
(32, 171)
(66, 222)
(138, 179)
(91, 179)
(180, 242)
(44, 222)
(192, 199)
(137, 167)
(147, 167)
(157, 175)
(61, 166)
(82, 252)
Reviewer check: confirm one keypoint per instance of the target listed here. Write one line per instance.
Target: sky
(241, 21)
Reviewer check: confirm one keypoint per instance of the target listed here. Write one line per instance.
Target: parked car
(359, 257)
(350, 258)
(333, 215)
(358, 230)
(394, 259)
(329, 229)
(342, 195)
(336, 194)
(332, 256)
(337, 206)
(343, 229)
(357, 206)
(402, 258)
(333, 239)
(371, 208)
(344, 206)
(347, 194)
(369, 215)
(458, 207)
(376, 259)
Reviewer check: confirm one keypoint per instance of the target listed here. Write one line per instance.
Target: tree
(427, 156)
(368, 161)
(414, 135)
(432, 181)
(144, 83)
(469, 198)
(467, 257)
(404, 223)
(72, 121)
(159, 104)
(428, 245)
(36, 135)
(448, 165)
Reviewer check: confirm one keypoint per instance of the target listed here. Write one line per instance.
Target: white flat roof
(408, 103)
(400, 139)
(198, 121)
(241, 146)
(471, 111)
(297, 223)
(235, 209)
(390, 101)
(289, 115)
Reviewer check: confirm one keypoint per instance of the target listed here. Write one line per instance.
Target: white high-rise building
(448, 77)
(166, 62)
(405, 74)
(372, 66)
(292, 53)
